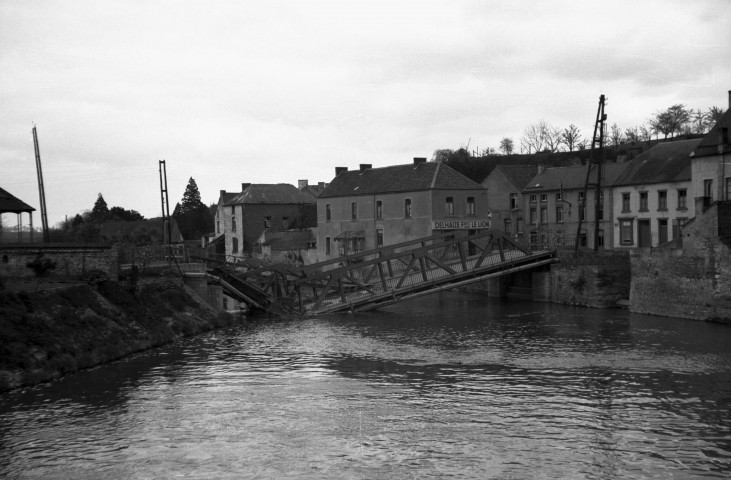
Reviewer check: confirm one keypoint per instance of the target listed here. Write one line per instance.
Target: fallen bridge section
(375, 278)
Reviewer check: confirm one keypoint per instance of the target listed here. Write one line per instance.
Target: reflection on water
(451, 385)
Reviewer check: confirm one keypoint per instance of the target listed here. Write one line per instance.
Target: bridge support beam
(542, 286)
(497, 287)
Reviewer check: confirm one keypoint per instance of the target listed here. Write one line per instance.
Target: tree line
(544, 137)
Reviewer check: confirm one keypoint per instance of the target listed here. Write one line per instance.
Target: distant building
(505, 185)
(242, 217)
(11, 204)
(313, 190)
(553, 206)
(652, 197)
(711, 164)
(373, 207)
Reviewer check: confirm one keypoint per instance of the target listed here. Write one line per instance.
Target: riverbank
(47, 334)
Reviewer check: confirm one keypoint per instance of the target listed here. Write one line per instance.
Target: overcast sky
(276, 91)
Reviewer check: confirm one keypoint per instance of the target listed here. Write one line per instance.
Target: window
(662, 230)
(285, 222)
(407, 208)
(218, 226)
(643, 201)
(513, 201)
(678, 226)
(559, 197)
(233, 224)
(354, 210)
(544, 197)
(519, 226)
(625, 203)
(682, 199)
(470, 205)
(544, 215)
(327, 245)
(379, 210)
(532, 199)
(234, 245)
(328, 213)
(708, 188)
(662, 200)
(626, 235)
(449, 206)
(582, 238)
(559, 214)
(379, 238)
(267, 222)
(508, 225)
(600, 240)
(600, 213)
(582, 206)
(533, 216)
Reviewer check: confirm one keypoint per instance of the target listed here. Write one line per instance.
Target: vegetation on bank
(44, 335)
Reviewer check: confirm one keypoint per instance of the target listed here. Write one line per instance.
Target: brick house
(652, 197)
(552, 206)
(505, 185)
(372, 207)
(242, 217)
(711, 164)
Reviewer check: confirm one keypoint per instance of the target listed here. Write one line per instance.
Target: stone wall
(65, 261)
(597, 280)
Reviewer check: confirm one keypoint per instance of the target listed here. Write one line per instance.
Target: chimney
(339, 170)
(541, 168)
(365, 166)
(418, 160)
(244, 186)
(729, 99)
(223, 192)
(301, 184)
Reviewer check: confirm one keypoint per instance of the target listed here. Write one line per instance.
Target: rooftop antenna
(41, 188)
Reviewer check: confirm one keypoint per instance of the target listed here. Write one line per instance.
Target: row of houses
(643, 202)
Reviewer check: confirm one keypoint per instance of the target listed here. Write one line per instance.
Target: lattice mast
(41, 189)
(167, 230)
(595, 162)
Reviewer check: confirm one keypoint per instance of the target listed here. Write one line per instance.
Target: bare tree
(670, 121)
(632, 135)
(645, 133)
(553, 138)
(571, 136)
(714, 115)
(506, 146)
(539, 137)
(615, 135)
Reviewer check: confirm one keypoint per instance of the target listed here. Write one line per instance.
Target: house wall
(499, 188)
(716, 168)
(564, 233)
(426, 208)
(672, 214)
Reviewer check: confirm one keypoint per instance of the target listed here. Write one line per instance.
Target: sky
(228, 92)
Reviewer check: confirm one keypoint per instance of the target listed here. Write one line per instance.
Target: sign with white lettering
(461, 224)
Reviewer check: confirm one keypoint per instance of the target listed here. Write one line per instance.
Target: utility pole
(41, 190)
(595, 162)
(165, 204)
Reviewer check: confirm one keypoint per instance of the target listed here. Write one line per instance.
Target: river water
(451, 385)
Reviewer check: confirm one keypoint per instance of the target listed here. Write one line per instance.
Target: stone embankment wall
(47, 334)
(63, 261)
(597, 280)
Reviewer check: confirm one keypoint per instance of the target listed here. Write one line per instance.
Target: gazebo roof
(11, 204)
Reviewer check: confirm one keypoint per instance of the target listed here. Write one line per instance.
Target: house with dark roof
(652, 196)
(313, 190)
(373, 207)
(242, 217)
(555, 205)
(505, 185)
(711, 164)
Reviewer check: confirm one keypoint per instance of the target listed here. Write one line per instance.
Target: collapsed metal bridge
(374, 278)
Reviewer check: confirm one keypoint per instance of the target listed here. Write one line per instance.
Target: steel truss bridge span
(371, 279)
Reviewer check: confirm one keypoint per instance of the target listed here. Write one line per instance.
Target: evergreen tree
(191, 198)
(193, 217)
(100, 212)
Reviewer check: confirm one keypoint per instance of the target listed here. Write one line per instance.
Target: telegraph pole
(41, 190)
(164, 202)
(594, 162)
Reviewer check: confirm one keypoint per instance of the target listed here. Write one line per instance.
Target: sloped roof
(268, 193)
(665, 162)
(710, 142)
(399, 178)
(519, 175)
(572, 178)
(313, 190)
(11, 204)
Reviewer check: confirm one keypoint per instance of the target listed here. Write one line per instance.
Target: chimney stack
(418, 160)
(301, 184)
(541, 168)
(365, 166)
(339, 170)
(223, 192)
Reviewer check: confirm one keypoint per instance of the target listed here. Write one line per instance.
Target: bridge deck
(375, 278)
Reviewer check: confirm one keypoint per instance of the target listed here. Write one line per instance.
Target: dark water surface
(452, 385)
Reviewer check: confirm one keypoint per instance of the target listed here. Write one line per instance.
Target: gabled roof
(519, 175)
(664, 163)
(712, 140)
(399, 178)
(267, 193)
(11, 204)
(313, 190)
(573, 178)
